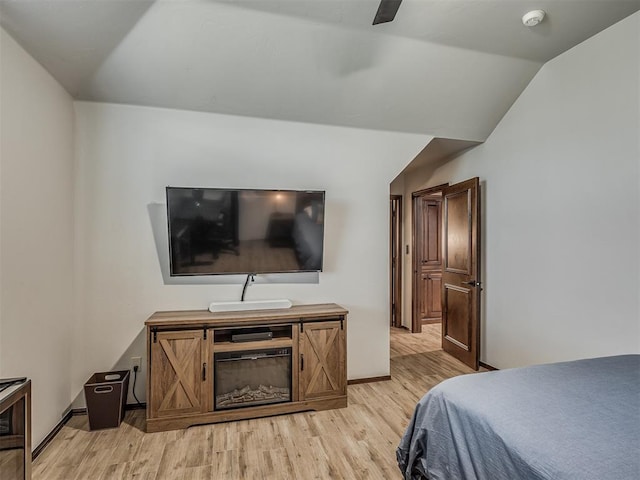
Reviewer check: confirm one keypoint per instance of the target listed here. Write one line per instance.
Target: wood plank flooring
(357, 442)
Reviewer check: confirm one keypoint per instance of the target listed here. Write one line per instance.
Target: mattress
(576, 420)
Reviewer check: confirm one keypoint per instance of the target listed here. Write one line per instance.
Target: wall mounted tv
(215, 231)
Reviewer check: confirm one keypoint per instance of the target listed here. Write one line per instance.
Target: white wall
(36, 232)
(127, 155)
(560, 178)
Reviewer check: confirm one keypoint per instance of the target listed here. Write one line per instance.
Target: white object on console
(249, 305)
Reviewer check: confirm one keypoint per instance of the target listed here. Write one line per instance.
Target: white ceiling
(448, 68)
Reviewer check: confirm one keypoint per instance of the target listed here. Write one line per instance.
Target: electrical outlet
(136, 362)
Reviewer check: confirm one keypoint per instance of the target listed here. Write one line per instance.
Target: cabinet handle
(204, 371)
(301, 362)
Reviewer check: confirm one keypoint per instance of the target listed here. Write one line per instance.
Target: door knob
(471, 283)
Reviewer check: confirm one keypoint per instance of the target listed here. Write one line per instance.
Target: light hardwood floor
(357, 442)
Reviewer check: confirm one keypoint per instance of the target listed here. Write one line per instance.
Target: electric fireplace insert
(252, 377)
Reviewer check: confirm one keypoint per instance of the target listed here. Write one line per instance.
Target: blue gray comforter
(575, 420)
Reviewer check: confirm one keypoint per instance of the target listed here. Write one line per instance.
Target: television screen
(223, 231)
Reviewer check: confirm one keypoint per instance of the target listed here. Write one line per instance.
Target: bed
(576, 420)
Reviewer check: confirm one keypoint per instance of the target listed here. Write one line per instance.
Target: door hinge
(301, 327)
(204, 333)
(342, 324)
(155, 335)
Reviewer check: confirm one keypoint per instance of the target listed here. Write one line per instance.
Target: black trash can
(106, 396)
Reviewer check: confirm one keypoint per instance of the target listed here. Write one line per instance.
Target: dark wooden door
(433, 296)
(427, 229)
(396, 260)
(178, 370)
(461, 271)
(322, 360)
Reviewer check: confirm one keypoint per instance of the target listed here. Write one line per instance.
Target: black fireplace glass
(252, 377)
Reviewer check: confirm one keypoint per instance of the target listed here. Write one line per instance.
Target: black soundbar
(252, 335)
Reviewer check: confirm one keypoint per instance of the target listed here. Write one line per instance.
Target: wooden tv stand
(181, 354)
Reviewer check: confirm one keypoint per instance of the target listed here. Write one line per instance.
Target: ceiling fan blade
(386, 11)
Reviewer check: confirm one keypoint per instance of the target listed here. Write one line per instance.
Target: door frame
(416, 323)
(395, 248)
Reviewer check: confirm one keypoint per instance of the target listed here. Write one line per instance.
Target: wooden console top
(245, 317)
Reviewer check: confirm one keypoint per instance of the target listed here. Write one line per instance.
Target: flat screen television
(216, 231)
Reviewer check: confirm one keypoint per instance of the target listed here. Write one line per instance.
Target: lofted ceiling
(447, 68)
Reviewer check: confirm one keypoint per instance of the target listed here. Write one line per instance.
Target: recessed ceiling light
(533, 18)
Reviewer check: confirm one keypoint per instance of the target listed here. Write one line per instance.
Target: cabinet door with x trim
(179, 371)
(322, 360)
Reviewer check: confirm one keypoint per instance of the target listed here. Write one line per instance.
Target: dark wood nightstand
(15, 432)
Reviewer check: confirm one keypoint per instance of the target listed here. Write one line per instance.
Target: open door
(461, 271)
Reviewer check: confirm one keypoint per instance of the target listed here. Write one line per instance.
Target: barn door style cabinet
(322, 360)
(176, 357)
(213, 367)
